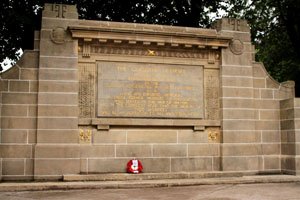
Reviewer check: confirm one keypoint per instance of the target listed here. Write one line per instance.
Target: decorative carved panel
(212, 93)
(146, 50)
(87, 77)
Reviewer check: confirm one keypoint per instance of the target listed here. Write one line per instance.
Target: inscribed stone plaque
(149, 90)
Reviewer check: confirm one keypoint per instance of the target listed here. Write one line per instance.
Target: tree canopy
(275, 24)
(275, 31)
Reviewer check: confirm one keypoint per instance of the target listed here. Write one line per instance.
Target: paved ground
(266, 191)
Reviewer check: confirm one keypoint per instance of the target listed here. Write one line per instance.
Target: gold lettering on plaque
(149, 90)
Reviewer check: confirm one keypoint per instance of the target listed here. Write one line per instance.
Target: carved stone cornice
(149, 35)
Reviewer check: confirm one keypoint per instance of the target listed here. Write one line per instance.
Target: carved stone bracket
(86, 49)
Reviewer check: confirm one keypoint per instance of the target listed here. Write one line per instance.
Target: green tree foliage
(275, 24)
(19, 19)
(275, 30)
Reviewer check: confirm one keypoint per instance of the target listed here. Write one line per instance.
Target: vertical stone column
(290, 136)
(241, 142)
(57, 150)
(0, 131)
(297, 135)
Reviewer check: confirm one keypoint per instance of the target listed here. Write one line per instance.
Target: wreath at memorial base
(134, 166)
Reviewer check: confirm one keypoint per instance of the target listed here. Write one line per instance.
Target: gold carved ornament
(85, 135)
(151, 52)
(213, 135)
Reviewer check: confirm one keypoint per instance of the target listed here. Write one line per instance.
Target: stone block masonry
(94, 94)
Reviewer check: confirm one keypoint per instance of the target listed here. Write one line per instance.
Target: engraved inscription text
(150, 90)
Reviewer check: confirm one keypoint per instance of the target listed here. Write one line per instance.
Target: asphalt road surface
(276, 191)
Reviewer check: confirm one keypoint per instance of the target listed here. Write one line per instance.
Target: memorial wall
(94, 94)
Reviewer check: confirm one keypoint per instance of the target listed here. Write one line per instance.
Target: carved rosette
(236, 46)
(58, 35)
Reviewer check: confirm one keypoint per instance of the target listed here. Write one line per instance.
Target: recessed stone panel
(149, 90)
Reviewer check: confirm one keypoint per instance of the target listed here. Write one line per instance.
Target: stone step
(150, 176)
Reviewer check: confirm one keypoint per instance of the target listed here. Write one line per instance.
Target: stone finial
(60, 11)
(231, 24)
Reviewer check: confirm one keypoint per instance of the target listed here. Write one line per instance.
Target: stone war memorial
(93, 95)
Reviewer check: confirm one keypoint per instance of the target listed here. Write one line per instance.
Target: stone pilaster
(57, 127)
(290, 136)
(241, 143)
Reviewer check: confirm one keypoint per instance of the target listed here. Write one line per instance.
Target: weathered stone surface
(15, 151)
(133, 151)
(97, 151)
(170, 150)
(14, 136)
(149, 90)
(109, 137)
(57, 151)
(190, 136)
(19, 98)
(107, 165)
(238, 136)
(50, 167)
(13, 167)
(203, 150)
(58, 136)
(241, 149)
(152, 136)
(191, 164)
(156, 165)
(14, 110)
(271, 162)
(240, 163)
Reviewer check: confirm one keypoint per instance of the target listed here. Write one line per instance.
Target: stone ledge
(148, 176)
(39, 186)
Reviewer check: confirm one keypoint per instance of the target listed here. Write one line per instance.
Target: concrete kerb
(40, 186)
